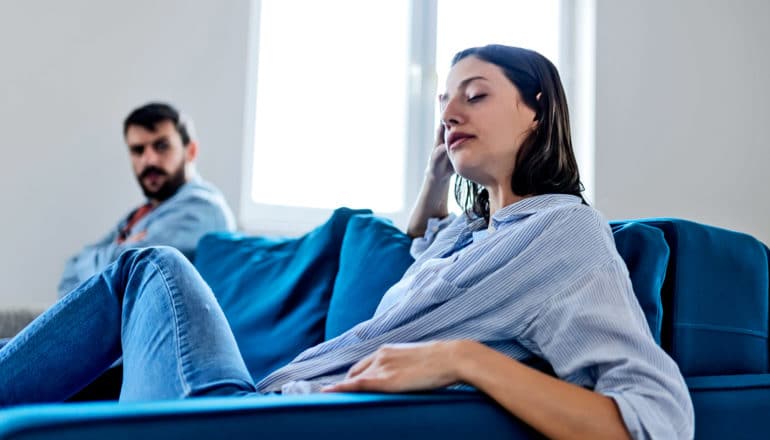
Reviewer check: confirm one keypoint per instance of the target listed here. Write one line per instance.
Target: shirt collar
(531, 205)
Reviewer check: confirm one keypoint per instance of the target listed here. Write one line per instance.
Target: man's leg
(152, 307)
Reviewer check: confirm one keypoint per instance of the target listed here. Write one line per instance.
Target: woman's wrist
(434, 180)
(434, 199)
(463, 357)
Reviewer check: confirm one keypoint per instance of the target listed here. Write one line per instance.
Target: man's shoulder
(198, 192)
(201, 196)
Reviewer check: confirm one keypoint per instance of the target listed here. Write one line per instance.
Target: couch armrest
(734, 407)
(450, 415)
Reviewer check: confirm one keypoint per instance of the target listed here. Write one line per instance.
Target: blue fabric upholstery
(716, 299)
(646, 254)
(731, 407)
(447, 416)
(374, 255)
(275, 292)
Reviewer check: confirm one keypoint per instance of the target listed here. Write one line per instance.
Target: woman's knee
(167, 261)
(160, 255)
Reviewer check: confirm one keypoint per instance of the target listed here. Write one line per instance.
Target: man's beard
(172, 184)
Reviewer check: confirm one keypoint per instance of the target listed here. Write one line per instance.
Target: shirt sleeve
(594, 335)
(181, 227)
(435, 225)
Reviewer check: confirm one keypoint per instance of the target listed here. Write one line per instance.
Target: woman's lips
(458, 140)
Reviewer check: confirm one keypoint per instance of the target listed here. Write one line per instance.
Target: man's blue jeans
(151, 307)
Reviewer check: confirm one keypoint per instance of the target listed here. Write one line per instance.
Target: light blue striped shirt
(545, 282)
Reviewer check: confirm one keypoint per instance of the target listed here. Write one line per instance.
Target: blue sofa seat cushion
(275, 292)
(733, 407)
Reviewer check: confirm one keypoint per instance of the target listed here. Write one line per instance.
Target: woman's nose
(452, 114)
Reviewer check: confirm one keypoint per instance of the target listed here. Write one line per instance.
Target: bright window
(344, 108)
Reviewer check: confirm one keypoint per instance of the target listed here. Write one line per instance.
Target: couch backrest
(276, 293)
(715, 299)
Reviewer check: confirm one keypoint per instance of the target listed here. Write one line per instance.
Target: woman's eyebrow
(442, 98)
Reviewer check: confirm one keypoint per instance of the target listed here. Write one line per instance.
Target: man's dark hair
(545, 162)
(150, 115)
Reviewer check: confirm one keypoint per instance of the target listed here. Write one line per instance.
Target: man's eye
(476, 98)
(161, 146)
(137, 151)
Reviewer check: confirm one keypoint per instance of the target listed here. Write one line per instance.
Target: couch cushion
(715, 299)
(646, 254)
(731, 407)
(374, 255)
(275, 292)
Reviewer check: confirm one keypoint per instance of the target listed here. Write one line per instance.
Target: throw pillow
(274, 292)
(645, 252)
(374, 256)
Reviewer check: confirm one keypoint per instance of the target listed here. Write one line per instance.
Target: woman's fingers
(346, 386)
(360, 366)
(439, 134)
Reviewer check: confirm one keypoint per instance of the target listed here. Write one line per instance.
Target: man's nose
(150, 156)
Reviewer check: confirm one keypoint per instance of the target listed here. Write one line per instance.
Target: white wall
(683, 111)
(69, 73)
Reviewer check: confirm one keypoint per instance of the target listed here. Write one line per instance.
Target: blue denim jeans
(152, 308)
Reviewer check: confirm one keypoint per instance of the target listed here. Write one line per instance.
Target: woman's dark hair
(545, 162)
(150, 115)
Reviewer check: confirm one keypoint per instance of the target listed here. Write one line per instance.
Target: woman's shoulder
(581, 227)
(566, 213)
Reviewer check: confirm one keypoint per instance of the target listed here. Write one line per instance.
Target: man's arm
(180, 225)
(72, 277)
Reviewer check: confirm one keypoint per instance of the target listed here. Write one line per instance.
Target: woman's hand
(439, 167)
(402, 367)
(434, 194)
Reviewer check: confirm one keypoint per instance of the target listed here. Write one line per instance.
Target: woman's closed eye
(477, 98)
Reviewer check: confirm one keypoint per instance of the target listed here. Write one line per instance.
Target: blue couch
(704, 292)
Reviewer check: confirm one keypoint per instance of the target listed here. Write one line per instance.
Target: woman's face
(485, 121)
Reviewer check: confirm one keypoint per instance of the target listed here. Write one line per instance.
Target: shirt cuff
(435, 225)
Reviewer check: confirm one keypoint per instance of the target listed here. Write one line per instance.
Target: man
(180, 207)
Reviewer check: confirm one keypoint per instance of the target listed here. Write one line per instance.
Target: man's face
(158, 158)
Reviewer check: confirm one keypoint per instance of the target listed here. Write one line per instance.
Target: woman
(531, 273)
(506, 132)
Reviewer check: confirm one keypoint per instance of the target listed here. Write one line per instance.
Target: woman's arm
(432, 200)
(556, 408)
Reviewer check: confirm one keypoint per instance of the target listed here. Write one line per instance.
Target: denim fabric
(152, 307)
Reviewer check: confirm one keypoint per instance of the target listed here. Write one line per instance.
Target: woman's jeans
(152, 308)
